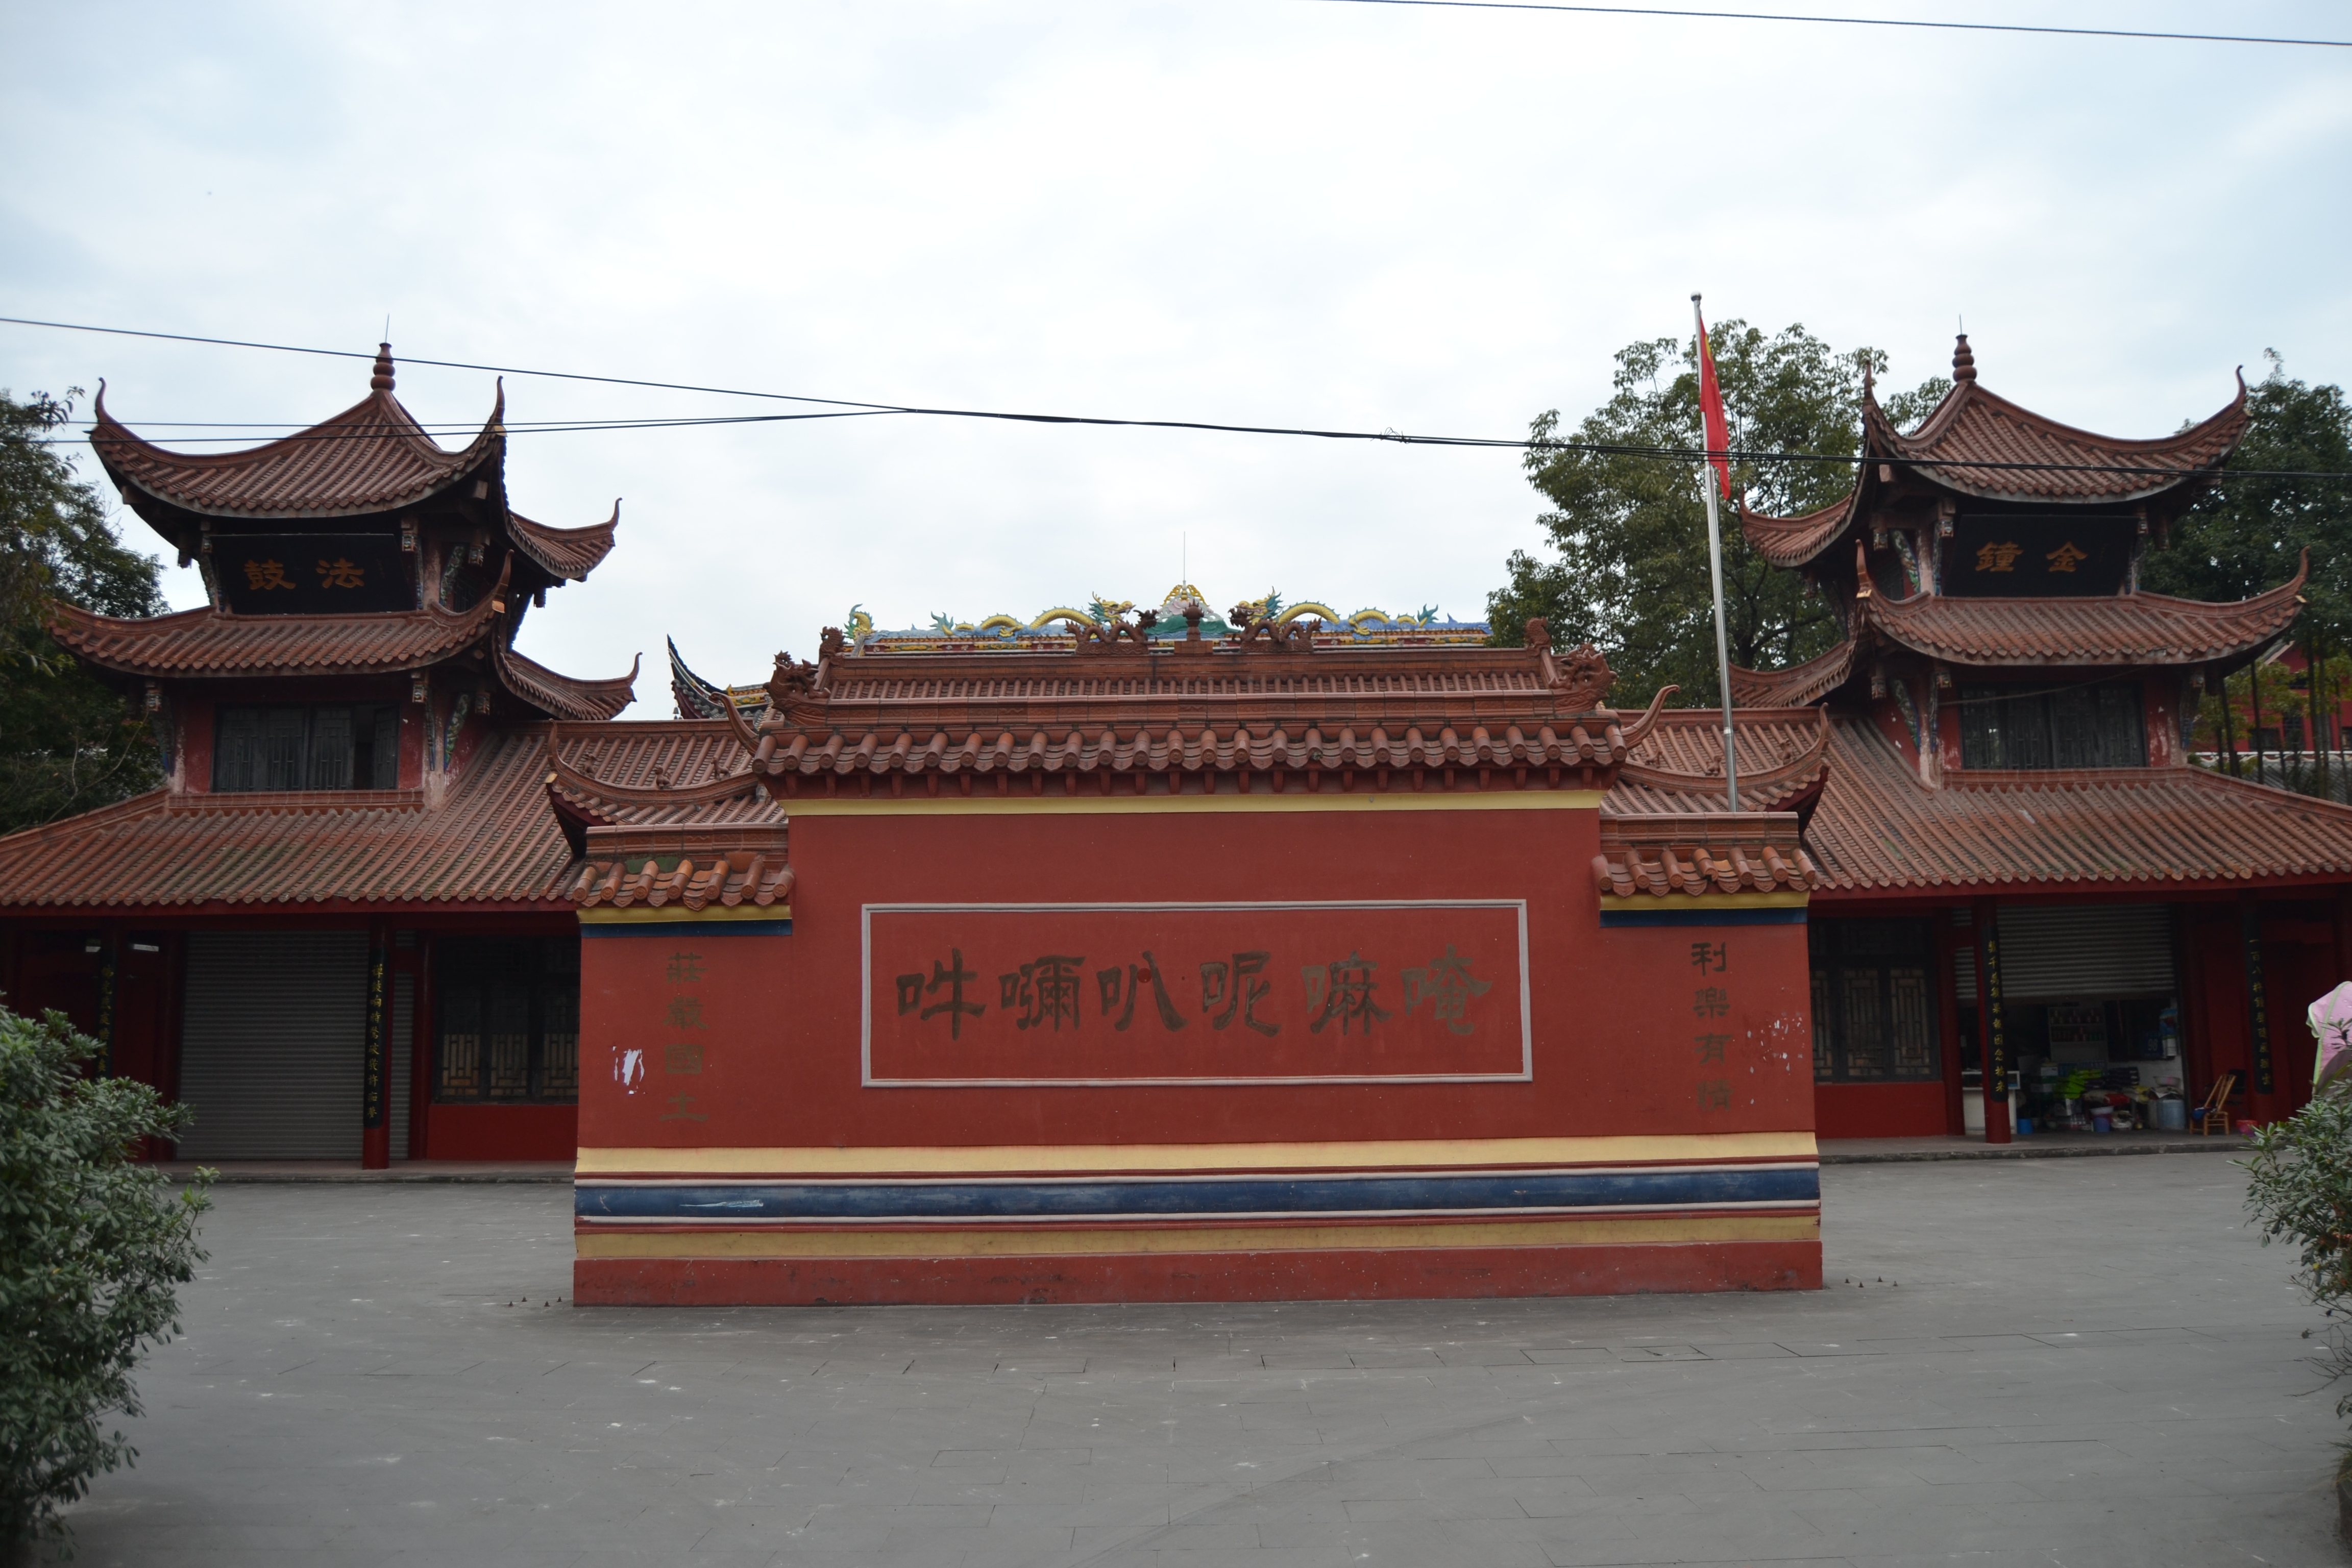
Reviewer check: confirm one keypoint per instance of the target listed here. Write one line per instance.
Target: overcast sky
(1262, 212)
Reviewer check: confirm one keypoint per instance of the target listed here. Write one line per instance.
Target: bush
(2301, 1192)
(91, 1245)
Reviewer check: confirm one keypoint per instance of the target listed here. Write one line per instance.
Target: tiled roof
(2130, 628)
(1695, 856)
(1677, 767)
(1796, 685)
(213, 642)
(1877, 826)
(1972, 426)
(560, 695)
(670, 774)
(695, 867)
(372, 457)
(568, 553)
(1793, 541)
(493, 840)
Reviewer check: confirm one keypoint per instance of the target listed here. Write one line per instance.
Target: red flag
(1712, 418)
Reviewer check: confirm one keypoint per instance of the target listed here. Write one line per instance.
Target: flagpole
(1715, 570)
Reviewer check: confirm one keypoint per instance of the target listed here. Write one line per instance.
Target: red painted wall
(1618, 1018)
(1879, 1110)
(502, 1133)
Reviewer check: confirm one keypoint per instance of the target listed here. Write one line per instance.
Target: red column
(375, 1091)
(1993, 1035)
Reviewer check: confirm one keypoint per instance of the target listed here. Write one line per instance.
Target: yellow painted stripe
(1181, 805)
(993, 1243)
(678, 914)
(1701, 902)
(1001, 1159)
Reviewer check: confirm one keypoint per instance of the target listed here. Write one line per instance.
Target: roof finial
(1964, 364)
(381, 379)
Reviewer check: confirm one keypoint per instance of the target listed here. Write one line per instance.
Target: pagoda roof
(372, 457)
(1796, 685)
(567, 552)
(492, 842)
(1879, 827)
(2125, 629)
(1790, 542)
(212, 642)
(1970, 441)
(564, 696)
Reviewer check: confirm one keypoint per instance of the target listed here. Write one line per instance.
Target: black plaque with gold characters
(312, 575)
(2022, 557)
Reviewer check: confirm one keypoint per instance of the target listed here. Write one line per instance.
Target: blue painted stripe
(1144, 1198)
(1795, 917)
(671, 928)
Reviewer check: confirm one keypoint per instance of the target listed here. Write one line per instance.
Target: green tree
(91, 1245)
(1629, 571)
(2246, 533)
(69, 743)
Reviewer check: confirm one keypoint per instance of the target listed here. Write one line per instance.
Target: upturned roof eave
(111, 439)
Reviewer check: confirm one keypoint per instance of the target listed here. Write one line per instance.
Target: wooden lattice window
(1875, 1005)
(2082, 726)
(326, 745)
(508, 1019)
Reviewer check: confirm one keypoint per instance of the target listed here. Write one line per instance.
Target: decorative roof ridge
(559, 551)
(114, 441)
(582, 697)
(1796, 685)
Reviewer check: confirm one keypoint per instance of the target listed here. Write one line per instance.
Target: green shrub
(2301, 1192)
(91, 1245)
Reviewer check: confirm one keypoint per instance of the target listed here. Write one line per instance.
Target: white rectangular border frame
(865, 1002)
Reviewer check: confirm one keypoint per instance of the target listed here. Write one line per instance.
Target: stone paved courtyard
(2074, 1361)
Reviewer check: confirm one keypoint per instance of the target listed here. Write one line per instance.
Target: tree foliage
(2299, 1186)
(2244, 534)
(1629, 532)
(69, 743)
(91, 1245)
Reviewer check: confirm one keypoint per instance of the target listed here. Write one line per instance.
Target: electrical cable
(1862, 22)
(846, 406)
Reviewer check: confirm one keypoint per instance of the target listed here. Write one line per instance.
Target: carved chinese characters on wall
(1195, 993)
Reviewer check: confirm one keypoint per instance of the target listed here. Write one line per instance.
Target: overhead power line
(840, 407)
(1863, 22)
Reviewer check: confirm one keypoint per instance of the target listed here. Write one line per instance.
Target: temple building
(2010, 807)
(354, 837)
(1153, 954)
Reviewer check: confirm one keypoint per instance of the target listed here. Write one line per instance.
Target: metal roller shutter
(270, 1051)
(2084, 952)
